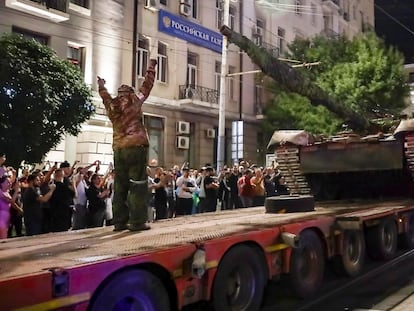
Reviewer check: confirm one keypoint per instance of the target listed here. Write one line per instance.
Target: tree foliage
(42, 98)
(363, 74)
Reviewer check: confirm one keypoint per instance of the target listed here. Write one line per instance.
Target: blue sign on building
(191, 32)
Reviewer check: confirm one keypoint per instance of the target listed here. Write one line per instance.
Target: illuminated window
(155, 127)
(75, 54)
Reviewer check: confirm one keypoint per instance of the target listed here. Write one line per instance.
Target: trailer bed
(27, 255)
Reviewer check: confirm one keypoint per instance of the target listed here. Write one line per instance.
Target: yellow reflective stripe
(211, 264)
(58, 302)
(276, 247)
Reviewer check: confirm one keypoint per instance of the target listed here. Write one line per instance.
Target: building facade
(116, 39)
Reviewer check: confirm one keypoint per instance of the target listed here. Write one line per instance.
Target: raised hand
(101, 82)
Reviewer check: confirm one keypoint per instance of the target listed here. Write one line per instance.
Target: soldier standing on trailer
(130, 145)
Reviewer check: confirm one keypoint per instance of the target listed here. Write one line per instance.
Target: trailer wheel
(132, 290)
(353, 257)
(307, 264)
(382, 240)
(290, 204)
(240, 280)
(408, 236)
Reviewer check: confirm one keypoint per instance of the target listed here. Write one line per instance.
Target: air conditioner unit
(182, 127)
(185, 9)
(183, 142)
(150, 4)
(211, 133)
(189, 92)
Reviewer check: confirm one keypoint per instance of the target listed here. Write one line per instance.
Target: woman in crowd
(96, 195)
(6, 201)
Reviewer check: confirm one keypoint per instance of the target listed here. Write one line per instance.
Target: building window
(217, 74)
(231, 82)
(219, 13)
(258, 100)
(31, 35)
(162, 63)
(75, 54)
(191, 69)
(194, 9)
(142, 56)
(82, 3)
(258, 32)
(155, 127)
(281, 40)
(232, 16)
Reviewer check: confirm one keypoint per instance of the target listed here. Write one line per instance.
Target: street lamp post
(222, 99)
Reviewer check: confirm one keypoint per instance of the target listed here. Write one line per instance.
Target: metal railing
(201, 93)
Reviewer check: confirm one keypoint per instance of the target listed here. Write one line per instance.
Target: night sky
(389, 15)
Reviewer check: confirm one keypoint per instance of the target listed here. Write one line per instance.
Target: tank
(347, 166)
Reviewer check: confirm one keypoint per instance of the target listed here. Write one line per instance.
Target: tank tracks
(409, 153)
(289, 166)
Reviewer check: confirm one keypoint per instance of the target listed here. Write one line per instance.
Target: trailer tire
(382, 240)
(353, 256)
(290, 204)
(307, 264)
(131, 289)
(240, 280)
(407, 238)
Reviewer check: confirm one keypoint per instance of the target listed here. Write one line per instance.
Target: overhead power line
(394, 19)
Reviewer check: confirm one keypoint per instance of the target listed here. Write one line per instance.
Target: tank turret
(293, 80)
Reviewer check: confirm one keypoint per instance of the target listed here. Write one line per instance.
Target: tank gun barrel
(293, 80)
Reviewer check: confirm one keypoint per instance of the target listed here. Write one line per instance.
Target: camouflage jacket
(125, 113)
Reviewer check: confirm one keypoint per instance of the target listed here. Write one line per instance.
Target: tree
(364, 74)
(42, 98)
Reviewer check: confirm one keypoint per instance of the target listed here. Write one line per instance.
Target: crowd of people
(59, 198)
(184, 191)
(64, 197)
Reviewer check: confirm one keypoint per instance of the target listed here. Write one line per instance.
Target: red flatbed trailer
(225, 257)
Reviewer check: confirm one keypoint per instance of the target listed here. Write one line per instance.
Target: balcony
(54, 10)
(196, 92)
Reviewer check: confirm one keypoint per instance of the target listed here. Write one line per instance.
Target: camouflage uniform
(130, 145)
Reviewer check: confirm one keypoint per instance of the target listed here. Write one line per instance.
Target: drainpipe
(241, 63)
(134, 45)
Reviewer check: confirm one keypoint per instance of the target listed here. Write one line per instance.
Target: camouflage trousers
(130, 186)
